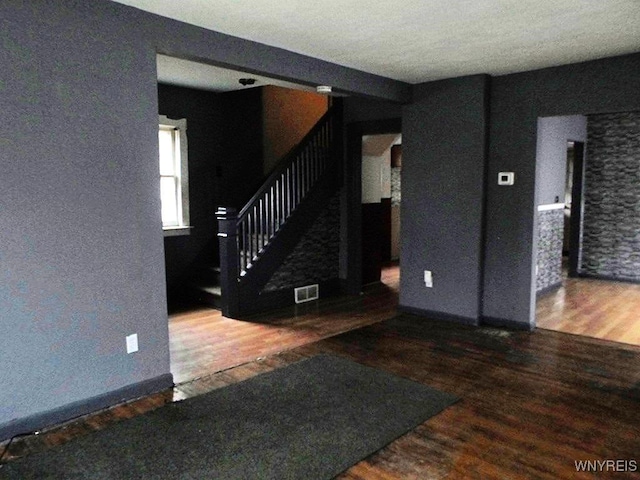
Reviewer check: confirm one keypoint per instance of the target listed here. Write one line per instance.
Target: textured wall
(551, 154)
(517, 101)
(81, 261)
(396, 192)
(611, 226)
(443, 163)
(550, 235)
(81, 247)
(288, 115)
(315, 258)
(204, 132)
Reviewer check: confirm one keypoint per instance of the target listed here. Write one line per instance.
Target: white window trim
(183, 228)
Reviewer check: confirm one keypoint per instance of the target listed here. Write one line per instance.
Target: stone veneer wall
(395, 186)
(316, 257)
(611, 225)
(551, 232)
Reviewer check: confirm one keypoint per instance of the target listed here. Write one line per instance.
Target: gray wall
(81, 243)
(81, 247)
(443, 167)
(360, 109)
(611, 225)
(551, 154)
(517, 101)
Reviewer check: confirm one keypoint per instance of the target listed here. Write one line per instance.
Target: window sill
(176, 231)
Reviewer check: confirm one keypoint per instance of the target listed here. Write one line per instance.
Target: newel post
(228, 240)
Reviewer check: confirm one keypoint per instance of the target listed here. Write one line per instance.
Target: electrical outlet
(132, 343)
(428, 279)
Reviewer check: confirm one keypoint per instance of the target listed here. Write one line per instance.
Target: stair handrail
(284, 163)
(285, 189)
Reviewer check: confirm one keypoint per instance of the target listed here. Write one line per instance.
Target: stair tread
(211, 289)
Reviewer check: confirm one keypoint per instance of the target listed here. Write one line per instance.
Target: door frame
(577, 209)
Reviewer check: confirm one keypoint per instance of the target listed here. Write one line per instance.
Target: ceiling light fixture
(324, 89)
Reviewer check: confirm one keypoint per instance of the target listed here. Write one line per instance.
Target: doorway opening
(381, 198)
(585, 282)
(233, 144)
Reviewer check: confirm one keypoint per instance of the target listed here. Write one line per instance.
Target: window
(174, 175)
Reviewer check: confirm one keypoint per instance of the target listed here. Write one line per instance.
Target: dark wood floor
(202, 341)
(532, 403)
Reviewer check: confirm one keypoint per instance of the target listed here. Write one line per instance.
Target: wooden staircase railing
(245, 237)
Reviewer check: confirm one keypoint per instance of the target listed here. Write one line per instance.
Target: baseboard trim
(73, 410)
(445, 317)
(504, 323)
(549, 289)
(608, 278)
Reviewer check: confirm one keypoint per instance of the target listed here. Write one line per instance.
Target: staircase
(206, 287)
(255, 241)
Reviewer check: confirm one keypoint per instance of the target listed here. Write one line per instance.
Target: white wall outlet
(428, 279)
(132, 343)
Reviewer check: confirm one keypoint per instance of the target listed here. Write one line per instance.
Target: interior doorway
(381, 197)
(579, 238)
(239, 125)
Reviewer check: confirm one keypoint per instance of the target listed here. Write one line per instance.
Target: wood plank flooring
(531, 403)
(202, 341)
(595, 308)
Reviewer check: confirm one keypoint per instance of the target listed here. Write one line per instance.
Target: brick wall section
(315, 258)
(611, 226)
(551, 231)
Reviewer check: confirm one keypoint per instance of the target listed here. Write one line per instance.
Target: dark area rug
(310, 420)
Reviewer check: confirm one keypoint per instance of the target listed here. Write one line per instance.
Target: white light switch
(132, 343)
(428, 279)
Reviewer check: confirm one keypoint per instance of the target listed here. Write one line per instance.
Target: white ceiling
(422, 40)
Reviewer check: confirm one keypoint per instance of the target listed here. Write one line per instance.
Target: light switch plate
(132, 343)
(428, 279)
